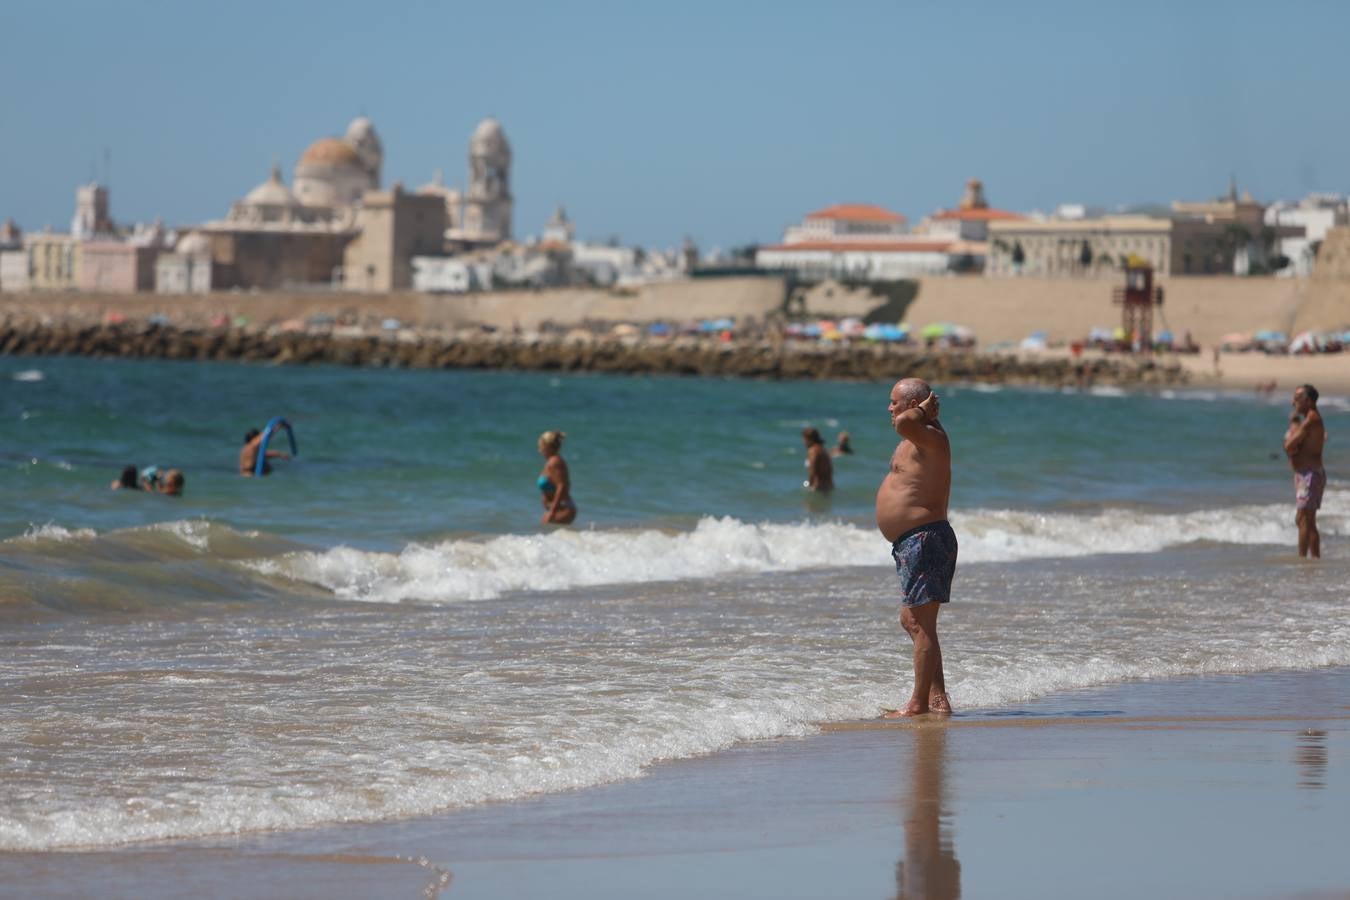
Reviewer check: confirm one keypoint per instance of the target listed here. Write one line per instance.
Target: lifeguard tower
(1136, 301)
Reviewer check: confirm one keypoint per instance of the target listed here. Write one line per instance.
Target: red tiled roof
(856, 212)
(874, 246)
(978, 215)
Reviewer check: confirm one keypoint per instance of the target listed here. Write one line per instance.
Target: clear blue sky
(723, 120)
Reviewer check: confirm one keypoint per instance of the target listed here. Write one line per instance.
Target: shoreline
(1242, 372)
(1013, 802)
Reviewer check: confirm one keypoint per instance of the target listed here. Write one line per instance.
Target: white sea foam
(30, 375)
(196, 534)
(53, 532)
(481, 569)
(552, 696)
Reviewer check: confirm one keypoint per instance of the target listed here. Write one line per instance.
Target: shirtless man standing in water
(1303, 443)
(912, 515)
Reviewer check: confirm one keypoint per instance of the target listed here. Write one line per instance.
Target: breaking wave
(480, 569)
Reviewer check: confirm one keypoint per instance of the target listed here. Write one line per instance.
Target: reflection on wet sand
(929, 869)
(1311, 757)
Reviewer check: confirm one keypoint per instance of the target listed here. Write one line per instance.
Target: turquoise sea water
(392, 456)
(382, 629)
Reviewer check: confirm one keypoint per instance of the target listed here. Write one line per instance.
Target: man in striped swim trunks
(912, 515)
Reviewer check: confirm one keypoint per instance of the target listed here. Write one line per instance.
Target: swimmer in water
(248, 454)
(842, 445)
(168, 481)
(172, 483)
(819, 468)
(555, 484)
(128, 481)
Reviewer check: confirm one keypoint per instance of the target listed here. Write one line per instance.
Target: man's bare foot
(910, 710)
(939, 704)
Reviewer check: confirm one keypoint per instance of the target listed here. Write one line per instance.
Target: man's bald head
(912, 390)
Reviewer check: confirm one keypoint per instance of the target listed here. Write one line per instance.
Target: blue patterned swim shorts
(925, 560)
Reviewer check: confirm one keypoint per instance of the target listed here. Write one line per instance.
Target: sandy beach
(1162, 789)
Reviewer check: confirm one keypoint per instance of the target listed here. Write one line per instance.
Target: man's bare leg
(938, 701)
(920, 622)
(1301, 519)
(1314, 536)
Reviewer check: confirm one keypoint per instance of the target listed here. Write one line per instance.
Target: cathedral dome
(333, 172)
(330, 152)
(271, 192)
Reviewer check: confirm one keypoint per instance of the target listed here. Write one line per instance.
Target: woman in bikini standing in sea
(555, 484)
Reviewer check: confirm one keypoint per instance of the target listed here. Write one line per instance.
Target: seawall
(680, 356)
(997, 309)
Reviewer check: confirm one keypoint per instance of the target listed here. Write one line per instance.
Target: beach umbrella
(1236, 338)
(937, 330)
(1118, 334)
(1164, 337)
(659, 329)
(723, 325)
(1099, 334)
(1034, 342)
(1270, 337)
(894, 333)
(812, 330)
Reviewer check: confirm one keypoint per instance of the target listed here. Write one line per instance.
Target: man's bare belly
(899, 511)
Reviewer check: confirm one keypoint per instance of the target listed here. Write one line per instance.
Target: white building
(847, 222)
(187, 270)
(861, 261)
(14, 270)
(1316, 214)
(450, 275)
(13, 258)
(607, 265)
(856, 241)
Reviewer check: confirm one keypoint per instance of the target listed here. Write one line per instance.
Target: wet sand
(1223, 786)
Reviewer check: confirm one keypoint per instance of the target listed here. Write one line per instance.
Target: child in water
(169, 482)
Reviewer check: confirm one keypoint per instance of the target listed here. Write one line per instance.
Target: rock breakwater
(631, 355)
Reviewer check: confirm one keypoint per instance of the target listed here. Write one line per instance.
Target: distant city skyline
(725, 123)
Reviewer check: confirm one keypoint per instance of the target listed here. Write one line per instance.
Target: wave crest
(459, 570)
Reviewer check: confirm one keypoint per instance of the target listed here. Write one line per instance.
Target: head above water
(1305, 398)
(130, 478)
(550, 442)
(844, 442)
(173, 483)
(251, 434)
(811, 436)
